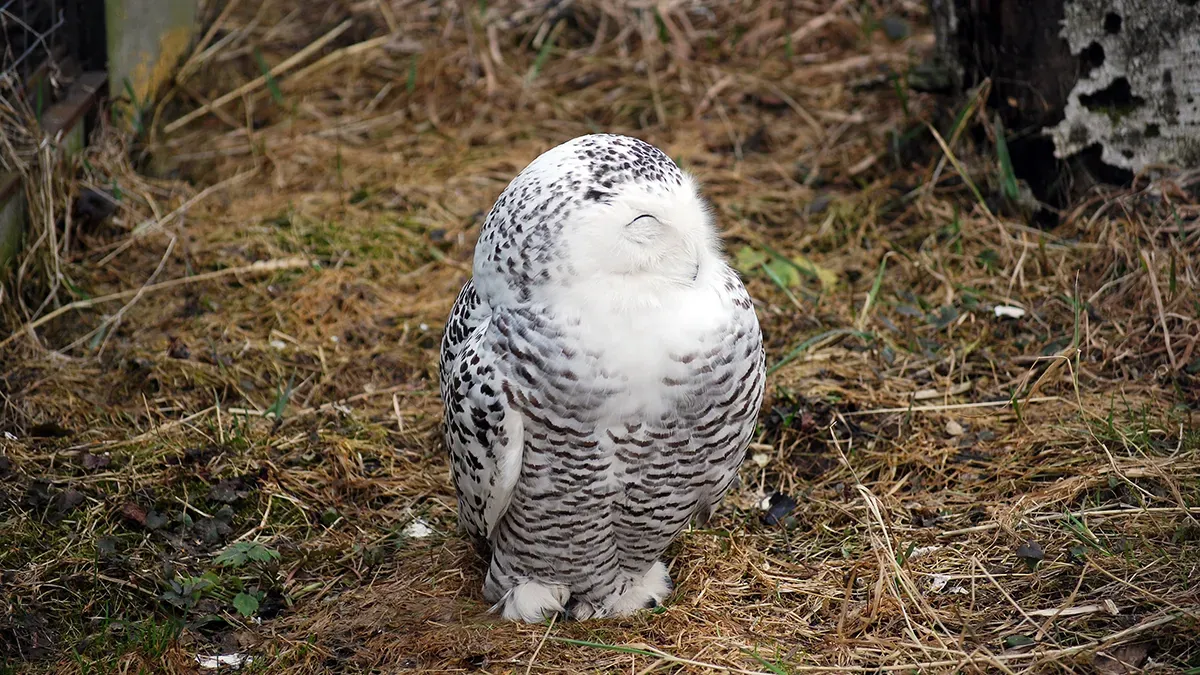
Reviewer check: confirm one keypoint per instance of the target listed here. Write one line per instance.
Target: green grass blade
(873, 295)
(780, 283)
(544, 52)
(272, 84)
(1008, 179)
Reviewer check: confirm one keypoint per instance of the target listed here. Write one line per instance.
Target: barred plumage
(602, 375)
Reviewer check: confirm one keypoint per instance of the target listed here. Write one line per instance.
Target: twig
(396, 409)
(886, 551)
(111, 323)
(262, 523)
(951, 406)
(1162, 314)
(1143, 591)
(1058, 611)
(1009, 598)
(1108, 607)
(925, 665)
(962, 173)
(926, 394)
(126, 584)
(300, 76)
(151, 225)
(533, 659)
(651, 75)
(192, 61)
(1078, 514)
(261, 80)
(818, 22)
(327, 406)
(259, 267)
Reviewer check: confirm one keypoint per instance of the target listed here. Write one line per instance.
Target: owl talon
(580, 610)
(645, 593)
(532, 602)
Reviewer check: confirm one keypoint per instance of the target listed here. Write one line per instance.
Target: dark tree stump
(1088, 90)
(1016, 44)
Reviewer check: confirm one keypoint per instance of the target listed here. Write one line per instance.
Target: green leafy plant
(242, 552)
(247, 603)
(185, 592)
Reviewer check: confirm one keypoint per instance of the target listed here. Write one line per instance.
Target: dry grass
(248, 359)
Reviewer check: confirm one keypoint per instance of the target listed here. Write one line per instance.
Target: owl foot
(532, 602)
(645, 593)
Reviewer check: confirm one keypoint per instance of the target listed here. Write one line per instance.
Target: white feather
(508, 470)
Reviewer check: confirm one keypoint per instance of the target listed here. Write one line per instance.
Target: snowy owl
(601, 375)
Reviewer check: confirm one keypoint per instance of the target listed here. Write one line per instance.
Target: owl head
(599, 211)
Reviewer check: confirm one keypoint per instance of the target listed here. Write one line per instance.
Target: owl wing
(483, 433)
(734, 378)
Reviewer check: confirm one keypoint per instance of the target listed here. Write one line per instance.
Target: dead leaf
(177, 349)
(954, 428)
(1123, 659)
(827, 277)
(92, 462)
(132, 511)
(1032, 553)
(227, 491)
(156, 520)
(64, 503)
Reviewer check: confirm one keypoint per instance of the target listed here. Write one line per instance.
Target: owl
(601, 376)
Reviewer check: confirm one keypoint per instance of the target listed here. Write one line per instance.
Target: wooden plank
(12, 218)
(83, 95)
(64, 124)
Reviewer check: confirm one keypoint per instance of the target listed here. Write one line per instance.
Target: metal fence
(49, 41)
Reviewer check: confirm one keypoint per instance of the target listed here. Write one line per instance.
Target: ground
(978, 449)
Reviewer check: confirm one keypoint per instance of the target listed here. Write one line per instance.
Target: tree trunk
(1111, 85)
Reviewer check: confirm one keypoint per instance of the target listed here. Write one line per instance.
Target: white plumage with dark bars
(601, 374)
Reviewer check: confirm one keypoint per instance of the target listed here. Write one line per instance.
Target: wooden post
(146, 40)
